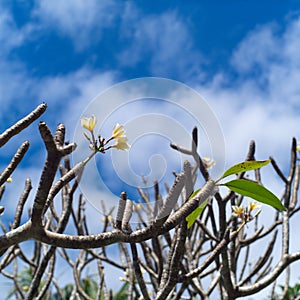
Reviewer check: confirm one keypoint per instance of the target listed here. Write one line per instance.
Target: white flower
(120, 136)
(118, 131)
(122, 143)
(252, 206)
(238, 211)
(89, 123)
(208, 162)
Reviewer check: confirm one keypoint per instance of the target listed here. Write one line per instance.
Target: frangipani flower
(120, 136)
(122, 143)
(245, 213)
(89, 123)
(101, 144)
(238, 211)
(208, 162)
(118, 131)
(123, 279)
(252, 206)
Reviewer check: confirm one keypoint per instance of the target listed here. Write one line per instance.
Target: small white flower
(89, 123)
(122, 279)
(208, 162)
(238, 211)
(252, 206)
(122, 143)
(118, 131)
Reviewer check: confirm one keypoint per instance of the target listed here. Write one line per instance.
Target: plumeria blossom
(118, 131)
(101, 144)
(120, 136)
(89, 123)
(122, 143)
(245, 213)
(208, 162)
(238, 211)
(252, 206)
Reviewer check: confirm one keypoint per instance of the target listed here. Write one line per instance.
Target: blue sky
(100, 35)
(129, 37)
(241, 56)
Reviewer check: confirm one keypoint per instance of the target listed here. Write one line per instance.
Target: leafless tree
(161, 257)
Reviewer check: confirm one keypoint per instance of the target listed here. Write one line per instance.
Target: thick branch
(22, 124)
(107, 238)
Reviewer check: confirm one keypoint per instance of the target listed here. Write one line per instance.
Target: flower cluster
(101, 144)
(245, 213)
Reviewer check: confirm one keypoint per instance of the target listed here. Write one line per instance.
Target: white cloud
(257, 49)
(10, 35)
(82, 21)
(164, 38)
(263, 103)
(14, 82)
(68, 94)
(14, 86)
(271, 54)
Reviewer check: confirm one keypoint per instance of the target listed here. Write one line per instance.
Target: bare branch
(22, 124)
(14, 162)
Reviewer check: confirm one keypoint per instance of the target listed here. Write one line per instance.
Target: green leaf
(245, 166)
(191, 218)
(253, 190)
(122, 294)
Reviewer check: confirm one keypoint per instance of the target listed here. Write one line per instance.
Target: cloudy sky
(242, 57)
